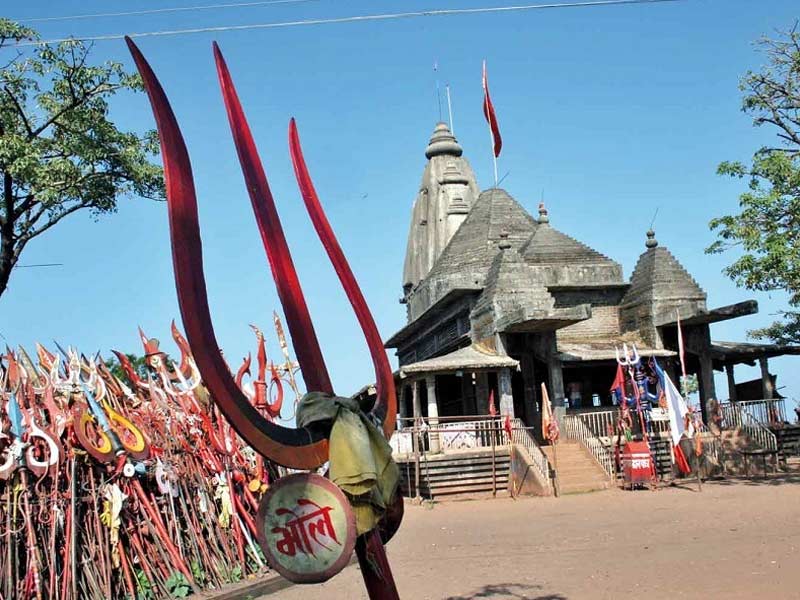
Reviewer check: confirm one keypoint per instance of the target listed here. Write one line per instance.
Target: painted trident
(295, 448)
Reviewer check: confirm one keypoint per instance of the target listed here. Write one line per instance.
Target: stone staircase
(578, 471)
(457, 475)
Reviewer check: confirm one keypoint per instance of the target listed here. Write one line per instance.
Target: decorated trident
(305, 538)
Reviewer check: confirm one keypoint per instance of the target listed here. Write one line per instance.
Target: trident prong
(296, 448)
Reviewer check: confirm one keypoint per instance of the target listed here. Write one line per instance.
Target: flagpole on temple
(491, 119)
(450, 109)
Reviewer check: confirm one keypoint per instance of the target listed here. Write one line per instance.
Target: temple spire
(443, 143)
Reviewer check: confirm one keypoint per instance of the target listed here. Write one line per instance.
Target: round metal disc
(306, 528)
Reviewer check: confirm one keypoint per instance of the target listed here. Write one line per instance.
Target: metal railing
(737, 416)
(602, 423)
(599, 422)
(522, 437)
(574, 428)
(453, 434)
(766, 412)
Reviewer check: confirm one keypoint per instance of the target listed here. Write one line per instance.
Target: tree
(767, 230)
(139, 364)
(59, 151)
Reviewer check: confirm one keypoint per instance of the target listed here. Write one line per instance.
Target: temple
(499, 301)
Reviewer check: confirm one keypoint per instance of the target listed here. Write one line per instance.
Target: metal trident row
(129, 489)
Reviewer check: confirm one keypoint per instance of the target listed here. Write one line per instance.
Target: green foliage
(767, 229)
(59, 150)
(198, 574)
(137, 362)
(143, 587)
(178, 586)
(689, 385)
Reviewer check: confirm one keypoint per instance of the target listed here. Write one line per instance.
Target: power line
(39, 265)
(161, 10)
(353, 19)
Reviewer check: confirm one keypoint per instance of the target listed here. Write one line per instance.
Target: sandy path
(733, 540)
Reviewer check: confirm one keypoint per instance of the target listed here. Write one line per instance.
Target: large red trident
(296, 448)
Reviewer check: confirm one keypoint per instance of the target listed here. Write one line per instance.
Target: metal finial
(651, 242)
(543, 216)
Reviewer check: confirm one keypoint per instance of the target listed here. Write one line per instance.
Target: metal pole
(494, 466)
(375, 568)
(416, 459)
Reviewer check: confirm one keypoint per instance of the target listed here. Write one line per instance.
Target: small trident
(630, 359)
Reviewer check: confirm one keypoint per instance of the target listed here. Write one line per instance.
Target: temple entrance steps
(456, 475)
(578, 471)
(788, 437)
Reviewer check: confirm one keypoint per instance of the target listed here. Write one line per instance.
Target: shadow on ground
(770, 479)
(517, 591)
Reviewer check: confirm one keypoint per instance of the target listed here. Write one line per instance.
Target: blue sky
(613, 112)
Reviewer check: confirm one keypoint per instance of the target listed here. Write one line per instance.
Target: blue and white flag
(675, 404)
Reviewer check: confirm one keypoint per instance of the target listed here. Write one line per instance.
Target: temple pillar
(731, 382)
(506, 396)
(467, 394)
(416, 402)
(529, 409)
(402, 407)
(482, 393)
(556, 381)
(707, 389)
(767, 389)
(433, 412)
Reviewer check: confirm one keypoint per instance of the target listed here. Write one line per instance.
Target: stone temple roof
(466, 259)
(475, 243)
(513, 292)
(659, 276)
(469, 358)
(550, 246)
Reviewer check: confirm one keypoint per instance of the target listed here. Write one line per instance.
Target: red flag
(507, 425)
(492, 407)
(491, 118)
(680, 460)
(618, 385)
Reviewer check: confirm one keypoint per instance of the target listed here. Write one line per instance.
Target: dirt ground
(735, 539)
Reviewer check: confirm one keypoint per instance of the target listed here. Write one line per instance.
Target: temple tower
(446, 194)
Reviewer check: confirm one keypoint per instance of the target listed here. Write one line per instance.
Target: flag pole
(450, 109)
(438, 92)
(488, 121)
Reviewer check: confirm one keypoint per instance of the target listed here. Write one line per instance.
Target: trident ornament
(295, 448)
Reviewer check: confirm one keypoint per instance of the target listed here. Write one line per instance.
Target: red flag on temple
(618, 385)
(492, 407)
(491, 118)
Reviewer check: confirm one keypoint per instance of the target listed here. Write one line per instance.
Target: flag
(491, 118)
(680, 460)
(618, 385)
(492, 407)
(675, 404)
(549, 424)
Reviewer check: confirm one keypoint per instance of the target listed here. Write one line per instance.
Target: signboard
(636, 463)
(306, 528)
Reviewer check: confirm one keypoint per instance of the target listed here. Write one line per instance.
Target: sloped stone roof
(467, 257)
(475, 243)
(469, 358)
(512, 292)
(659, 276)
(550, 246)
